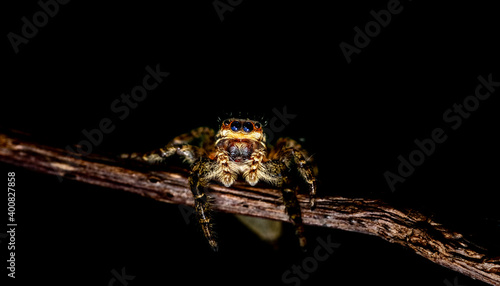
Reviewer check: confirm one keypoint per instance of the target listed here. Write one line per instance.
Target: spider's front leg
(293, 209)
(277, 173)
(189, 147)
(293, 156)
(305, 172)
(287, 161)
(199, 178)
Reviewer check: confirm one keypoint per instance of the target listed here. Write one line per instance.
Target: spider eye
(257, 125)
(236, 125)
(247, 126)
(226, 122)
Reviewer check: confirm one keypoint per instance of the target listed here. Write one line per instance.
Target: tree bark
(169, 184)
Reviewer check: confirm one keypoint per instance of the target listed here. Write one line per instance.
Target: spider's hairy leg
(201, 137)
(292, 154)
(276, 174)
(198, 181)
(189, 147)
(188, 153)
(307, 175)
(293, 209)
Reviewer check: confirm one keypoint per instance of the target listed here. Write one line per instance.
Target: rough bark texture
(408, 228)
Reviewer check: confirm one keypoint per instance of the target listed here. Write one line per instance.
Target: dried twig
(369, 216)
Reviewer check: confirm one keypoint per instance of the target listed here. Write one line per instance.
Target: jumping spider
(239, 150)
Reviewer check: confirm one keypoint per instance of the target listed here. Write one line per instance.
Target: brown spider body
(239, 150)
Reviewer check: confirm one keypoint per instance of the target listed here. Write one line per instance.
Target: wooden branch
(408, 228)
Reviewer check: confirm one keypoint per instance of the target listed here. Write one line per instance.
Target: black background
(355, 118)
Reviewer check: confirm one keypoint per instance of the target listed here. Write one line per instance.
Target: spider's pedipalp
(254, 172)
(223, 171)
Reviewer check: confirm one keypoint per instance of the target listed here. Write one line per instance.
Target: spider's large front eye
(247, 126)
(236, 125)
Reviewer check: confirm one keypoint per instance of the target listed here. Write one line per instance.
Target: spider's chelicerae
(239, 150)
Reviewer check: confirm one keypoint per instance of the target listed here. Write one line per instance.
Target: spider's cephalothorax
(239, 150)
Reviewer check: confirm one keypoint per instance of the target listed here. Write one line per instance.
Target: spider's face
(241, 129)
